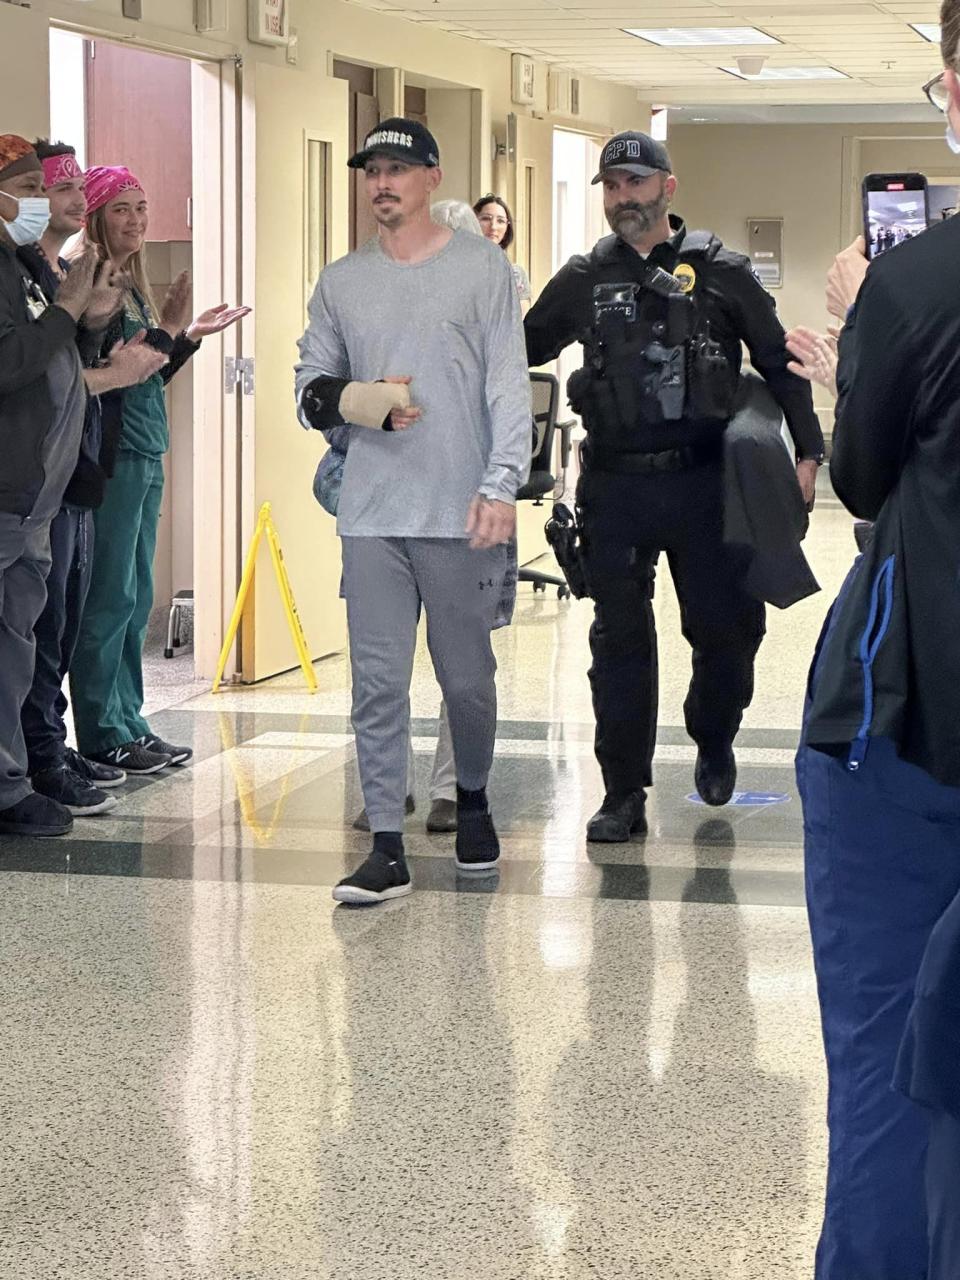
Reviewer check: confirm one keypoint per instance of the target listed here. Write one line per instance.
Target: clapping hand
(814, 356)
(106, 297)
(134, 362)
(215, 320)
(175, 312)
(75, 291)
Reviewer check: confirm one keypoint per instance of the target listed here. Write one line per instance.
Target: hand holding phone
(894, 210)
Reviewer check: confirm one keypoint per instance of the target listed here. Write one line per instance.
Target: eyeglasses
(495, 220)
(936, 92)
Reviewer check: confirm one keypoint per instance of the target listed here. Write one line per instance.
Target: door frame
(216, 143)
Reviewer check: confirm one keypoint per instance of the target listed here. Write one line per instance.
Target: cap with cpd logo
(637, 153)
(402, 140)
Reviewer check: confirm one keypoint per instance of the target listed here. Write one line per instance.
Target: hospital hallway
(602, 1064)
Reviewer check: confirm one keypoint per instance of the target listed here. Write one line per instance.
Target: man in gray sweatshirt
(415, 342)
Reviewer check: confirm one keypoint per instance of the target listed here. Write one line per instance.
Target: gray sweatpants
(24, 565)
(386, 581)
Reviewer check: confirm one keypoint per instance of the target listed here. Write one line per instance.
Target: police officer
(662, 314)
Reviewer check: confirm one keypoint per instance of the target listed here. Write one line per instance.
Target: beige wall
(279, 461)
(808, 175)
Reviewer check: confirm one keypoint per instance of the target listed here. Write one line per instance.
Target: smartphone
(894, 210)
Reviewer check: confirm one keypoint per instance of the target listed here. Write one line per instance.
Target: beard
(387, 212)
(631, 221)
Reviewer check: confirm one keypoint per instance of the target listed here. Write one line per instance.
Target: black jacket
(764, 515)
(736, 304)
(85, 488)
(27, 412)
(891, 661)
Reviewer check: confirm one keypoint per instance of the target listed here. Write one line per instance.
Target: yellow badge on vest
(686, 276)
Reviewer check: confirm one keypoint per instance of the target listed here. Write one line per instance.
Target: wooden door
(139, 114)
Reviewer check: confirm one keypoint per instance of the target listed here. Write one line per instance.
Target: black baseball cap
(403, 140)
(637, 153)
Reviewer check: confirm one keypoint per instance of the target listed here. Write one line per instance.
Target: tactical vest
(649, 356)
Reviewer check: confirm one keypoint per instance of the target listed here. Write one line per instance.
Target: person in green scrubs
(106, 678)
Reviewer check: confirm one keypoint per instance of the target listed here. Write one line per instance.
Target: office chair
(542, 482)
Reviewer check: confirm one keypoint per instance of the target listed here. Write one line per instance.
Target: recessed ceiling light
(679, 37)
(790, 73)
(929, 30)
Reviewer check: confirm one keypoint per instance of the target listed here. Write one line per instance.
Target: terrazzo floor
(603, 1064)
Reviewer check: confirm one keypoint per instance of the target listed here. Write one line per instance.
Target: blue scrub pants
(882, 851)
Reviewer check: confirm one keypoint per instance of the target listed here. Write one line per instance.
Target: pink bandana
(62, 168)
(105, 183)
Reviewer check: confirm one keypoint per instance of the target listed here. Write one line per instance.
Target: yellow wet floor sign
(265, 526)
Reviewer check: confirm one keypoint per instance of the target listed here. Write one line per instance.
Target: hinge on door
(239, 371)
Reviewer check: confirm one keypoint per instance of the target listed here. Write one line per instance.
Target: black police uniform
(652, 478)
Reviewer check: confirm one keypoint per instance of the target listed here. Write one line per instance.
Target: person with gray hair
(457, 215)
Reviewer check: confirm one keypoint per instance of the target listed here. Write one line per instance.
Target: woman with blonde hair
(106, 680)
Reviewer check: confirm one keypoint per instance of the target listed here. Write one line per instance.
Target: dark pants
(24, 563)
(882, 857)
(629, 520)
(943, 1196)
(71, 550)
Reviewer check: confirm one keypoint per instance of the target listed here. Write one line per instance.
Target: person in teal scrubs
(106, 679)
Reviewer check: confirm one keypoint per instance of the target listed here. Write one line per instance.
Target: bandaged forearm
(369, 404)
(333, 402)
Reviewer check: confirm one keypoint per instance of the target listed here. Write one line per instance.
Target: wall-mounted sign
(269, 21)
(523, 71)
(765, 240)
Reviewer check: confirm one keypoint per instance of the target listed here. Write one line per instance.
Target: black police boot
(716, 774)
(618, 818)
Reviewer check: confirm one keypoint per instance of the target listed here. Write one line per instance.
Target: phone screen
(893, 214)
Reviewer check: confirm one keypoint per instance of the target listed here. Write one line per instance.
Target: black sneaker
(362, 823)
(716, 774)
(379, 879)
(178, 755)
(618, 818)
(133, 758)
(35, 815)
(72, 791)
(101, 776)
(478, 848)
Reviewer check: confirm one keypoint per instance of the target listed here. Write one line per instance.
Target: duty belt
(643, 464)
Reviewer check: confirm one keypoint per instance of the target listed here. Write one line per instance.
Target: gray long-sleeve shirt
(453, 324)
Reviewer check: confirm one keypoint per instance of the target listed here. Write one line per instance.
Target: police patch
(687, 277)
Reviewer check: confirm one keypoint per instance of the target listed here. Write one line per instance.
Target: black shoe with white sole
(381, 878)
(73, 792)
(101, 776)
(178, 755)
(133, 758)
(478, 848)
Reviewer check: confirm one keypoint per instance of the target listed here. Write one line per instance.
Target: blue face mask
(953, 142)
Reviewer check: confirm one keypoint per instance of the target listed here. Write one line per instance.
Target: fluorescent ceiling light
(680, 37)
(790, 73)
(929, 30)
